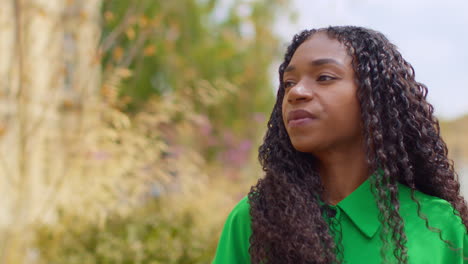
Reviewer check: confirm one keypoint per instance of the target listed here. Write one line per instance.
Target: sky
(431, 35)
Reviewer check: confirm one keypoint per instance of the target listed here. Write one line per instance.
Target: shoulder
(430, 204)
(233, 245)
(238, 220)
(241, 209)
(433, 226)
(439, 212)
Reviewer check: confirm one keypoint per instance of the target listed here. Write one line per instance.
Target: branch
(135, 48)
(110, 40)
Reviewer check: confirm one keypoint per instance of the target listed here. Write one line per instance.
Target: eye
(288, 84)
(324, 78)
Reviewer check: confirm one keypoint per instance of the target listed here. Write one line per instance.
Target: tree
(37, 137)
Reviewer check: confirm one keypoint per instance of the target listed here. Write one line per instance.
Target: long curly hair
(402, 138)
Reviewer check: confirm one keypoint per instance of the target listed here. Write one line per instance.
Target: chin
(309, 147)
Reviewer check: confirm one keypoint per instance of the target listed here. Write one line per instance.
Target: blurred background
(129, 129)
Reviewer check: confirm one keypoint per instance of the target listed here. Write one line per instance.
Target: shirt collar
(361, 207)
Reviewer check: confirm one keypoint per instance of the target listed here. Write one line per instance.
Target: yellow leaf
(117, 53)
(123, 72)
(2, 129)
(42, 12)
(143, 21)
(109, 16)
(149, 50)
(130, 33)
(83, 15)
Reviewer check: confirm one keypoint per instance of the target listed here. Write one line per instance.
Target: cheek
(345, 112)
(282, 112)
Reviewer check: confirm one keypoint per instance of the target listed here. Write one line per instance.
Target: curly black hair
(402, 138)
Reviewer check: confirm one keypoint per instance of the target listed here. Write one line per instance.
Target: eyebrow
(318, 62)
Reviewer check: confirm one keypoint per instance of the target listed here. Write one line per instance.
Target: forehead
(321, 46)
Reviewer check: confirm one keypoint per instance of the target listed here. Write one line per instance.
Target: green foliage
(145, 236)
(181, 42)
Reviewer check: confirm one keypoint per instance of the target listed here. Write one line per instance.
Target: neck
(342, 172)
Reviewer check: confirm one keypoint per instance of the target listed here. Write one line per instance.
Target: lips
(300, 114)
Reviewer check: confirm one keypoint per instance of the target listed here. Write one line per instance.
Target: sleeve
(234, 243)
(453, 231)
(462, 254)
(460, 237)
(465, 249)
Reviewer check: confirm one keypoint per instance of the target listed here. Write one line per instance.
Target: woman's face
(320, 81)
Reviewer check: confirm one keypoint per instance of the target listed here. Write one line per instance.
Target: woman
(355, 168)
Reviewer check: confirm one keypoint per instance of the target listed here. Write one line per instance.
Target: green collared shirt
(357, 216)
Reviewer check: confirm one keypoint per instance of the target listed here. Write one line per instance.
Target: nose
(300, 92)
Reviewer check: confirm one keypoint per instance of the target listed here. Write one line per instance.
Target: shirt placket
(334, 223)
